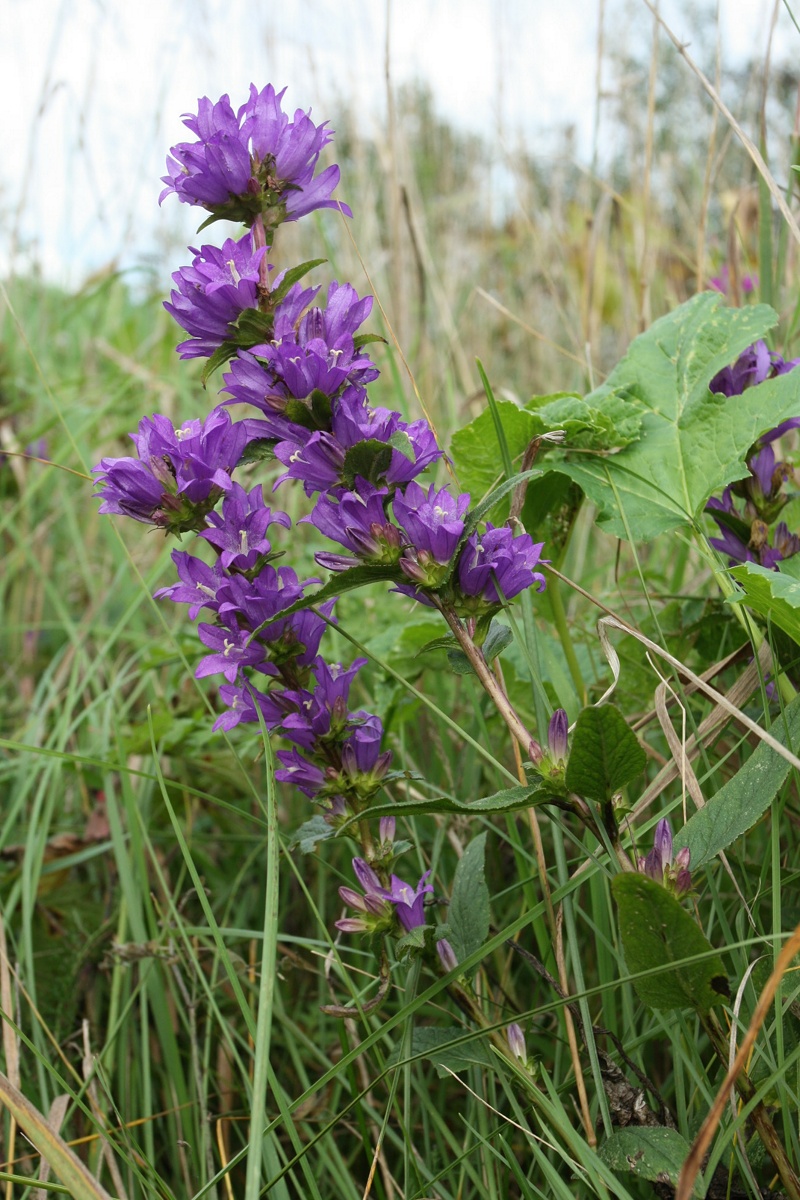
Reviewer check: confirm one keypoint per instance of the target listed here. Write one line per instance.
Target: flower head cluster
(661, 865)
(747, 511)
(179, 474)
(214, 291)
(380, 906)
(252, 163)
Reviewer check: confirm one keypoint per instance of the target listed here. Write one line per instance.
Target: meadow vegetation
(169, 963)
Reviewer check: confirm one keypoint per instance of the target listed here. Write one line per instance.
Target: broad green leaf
(743, 799)
(656, 930)
(608, 419)
(476, 452)
(651, 1152)
(468, 914)
(604, 754)
(434, 1044)
(692, 443)
(773, 595)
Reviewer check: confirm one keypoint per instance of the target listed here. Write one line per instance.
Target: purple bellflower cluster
(671, 870)
(303, 366)
(747, 513)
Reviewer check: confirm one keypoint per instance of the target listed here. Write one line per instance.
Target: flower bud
(557, 732)
(516, 1041)
(447, 955)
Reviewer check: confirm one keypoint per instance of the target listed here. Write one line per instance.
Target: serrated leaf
(692, 443)
(310, 833)
(774, 595)
(434, 1044)
(369, 459)
(652, 1153)
(468, 914)
(655, 930)
(607, 420)
(508, 800)
(744, 799)
(604, 754)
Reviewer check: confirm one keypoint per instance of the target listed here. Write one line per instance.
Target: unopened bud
(447, 955)
(557, 732)
(516, 1041)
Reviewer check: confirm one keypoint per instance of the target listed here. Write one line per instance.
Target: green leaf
(310, 833)
(364, 339)
(656, 930)
(344, 581)
(651, 1152)
(772, 594)
(607, 420)
(434, 1044)
(476, 452)
(291, 277)
(692, 443)
(260, 450)
(741, 801)
(604, 755)
(369, 459)
(508, 800)
(468, 914)
(401, 442)
(498, 637)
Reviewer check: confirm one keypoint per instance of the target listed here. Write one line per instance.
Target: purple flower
(323, 715)
(496, 562)
(408, 901)
(244, 702)
(357, 520)
(557, 734)
(253, 162)
(516, 1041)
(722, 282)
(213, 292)
(240, 531)
(232, 651)
(433, 522)
(320, 463)
(300, 773)
(753, 366)
(180, 473)
(660, 865)
(362, 761)
(199, 583)
(262, 599)
(376, 910)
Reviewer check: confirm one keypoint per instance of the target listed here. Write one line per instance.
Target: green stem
(560, 618)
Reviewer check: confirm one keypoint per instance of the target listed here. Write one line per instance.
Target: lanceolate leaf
(605, 754)
(508, 800)
(468, 914)
(344, 581)
(743, 799)
(656, 930)
(692, 443)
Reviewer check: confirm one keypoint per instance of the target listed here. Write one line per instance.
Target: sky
(97, 88)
